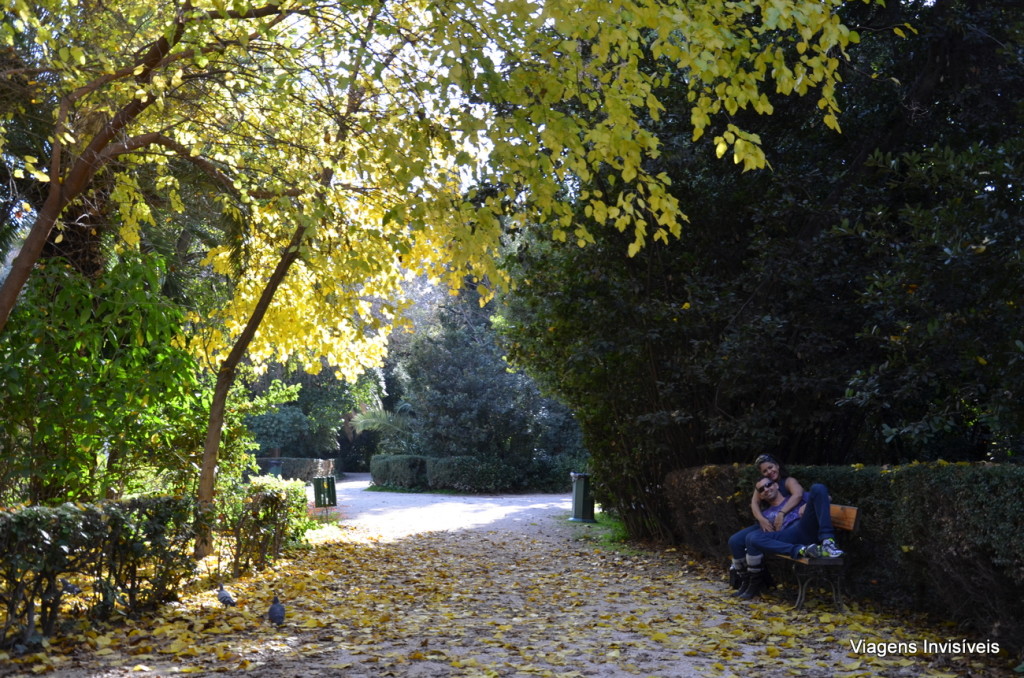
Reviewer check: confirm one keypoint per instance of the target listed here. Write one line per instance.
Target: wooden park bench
(829, 570)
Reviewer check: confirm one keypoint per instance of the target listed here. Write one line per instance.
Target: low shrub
(296, 468)
(129, 556)
(262, 518)
(451, 473)
(132, 555)
(146, 554)
(469, 474)
(708, 507)
(405, 471)
(472, 475)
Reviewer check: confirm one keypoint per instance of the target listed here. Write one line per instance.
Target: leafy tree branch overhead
(268, 96)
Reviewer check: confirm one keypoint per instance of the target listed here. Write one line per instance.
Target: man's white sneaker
(830, 550)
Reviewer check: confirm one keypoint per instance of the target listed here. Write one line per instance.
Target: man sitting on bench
(800, 539)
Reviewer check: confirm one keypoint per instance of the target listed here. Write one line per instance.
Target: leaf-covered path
(546, 599)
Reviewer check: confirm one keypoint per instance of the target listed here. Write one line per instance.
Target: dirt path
(502, 586)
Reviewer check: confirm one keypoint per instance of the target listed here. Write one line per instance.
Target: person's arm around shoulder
(796, 496)
(755, 508)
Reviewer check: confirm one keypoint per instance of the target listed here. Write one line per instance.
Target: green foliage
(404, 471)
(128, 556)
(469, 475)
(313, 420)
(465, 401)
(553, 473)
(277, 428)
(297, 468)
(145, 553)
(261, 518)
(39, 544)
(612, 534)
(942, 305)
(939, 537)
(79, 420)
(394, 425)
(329, 403)
(708, 504)
(312, 423)
(608, 338)
(860, 303)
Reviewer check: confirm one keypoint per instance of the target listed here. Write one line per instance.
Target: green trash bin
(582, 500)
(324, 493)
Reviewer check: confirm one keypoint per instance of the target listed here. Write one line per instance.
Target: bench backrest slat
(844, 517)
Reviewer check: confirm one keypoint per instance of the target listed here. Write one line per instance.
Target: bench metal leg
(801, 590)
(806, 574)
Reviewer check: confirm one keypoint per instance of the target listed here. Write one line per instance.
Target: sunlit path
(392, 515)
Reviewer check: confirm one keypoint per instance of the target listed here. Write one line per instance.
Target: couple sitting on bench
(790, 522)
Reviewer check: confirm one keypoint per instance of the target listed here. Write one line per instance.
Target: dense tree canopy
(364, 117)
(858, 303)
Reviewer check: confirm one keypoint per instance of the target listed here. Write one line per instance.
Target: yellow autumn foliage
(360, 127)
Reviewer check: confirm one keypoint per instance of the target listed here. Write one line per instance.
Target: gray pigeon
(68, 587)
(225, 597)
(276, 612)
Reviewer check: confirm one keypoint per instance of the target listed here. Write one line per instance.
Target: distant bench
(830, 570)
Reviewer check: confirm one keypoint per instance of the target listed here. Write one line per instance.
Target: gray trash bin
(582, 500)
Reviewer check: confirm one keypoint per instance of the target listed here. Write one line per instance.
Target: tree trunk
(225, 377)
(62, 191)
(29, 253)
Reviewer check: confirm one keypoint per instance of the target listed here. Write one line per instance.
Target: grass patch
(609, 534)
(613, 531)
(409, 490)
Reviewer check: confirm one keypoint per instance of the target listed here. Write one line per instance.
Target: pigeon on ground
(276, 612)
(225, 597)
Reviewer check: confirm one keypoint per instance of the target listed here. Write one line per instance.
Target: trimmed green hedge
(406, 471)
(938, 537)
(470, 474)
(132, 555)
(297, 468)
(128, 556)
